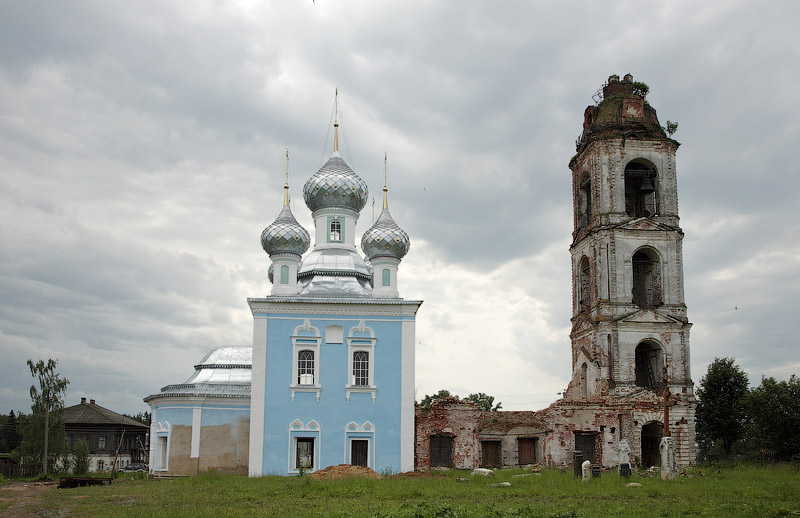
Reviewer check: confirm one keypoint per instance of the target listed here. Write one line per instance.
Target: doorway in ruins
(652, 433)
(585, 443)
(441, 451)
(490, 454)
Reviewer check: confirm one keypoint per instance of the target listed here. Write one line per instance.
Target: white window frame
(306, 338)
(364, 432)
(161, 462)
(355, 344)
(298, 430)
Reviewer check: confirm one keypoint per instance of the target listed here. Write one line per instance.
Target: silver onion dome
(385, 238)
(335, 185)
(285, 235)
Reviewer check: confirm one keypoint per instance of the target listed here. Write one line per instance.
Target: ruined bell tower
(630, 332)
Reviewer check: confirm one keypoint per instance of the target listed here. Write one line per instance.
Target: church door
(358, 452)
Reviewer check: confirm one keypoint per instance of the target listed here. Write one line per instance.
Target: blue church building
(333, 343)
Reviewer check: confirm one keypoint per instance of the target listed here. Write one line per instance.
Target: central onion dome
(285, 235)
(385, 238)
(335, 185)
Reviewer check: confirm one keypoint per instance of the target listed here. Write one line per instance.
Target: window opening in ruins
(527, 450)
(490, 454)
(649, 366)
(584, 381)
(441, 448)
(651, 438)
(646, 279)
(640, 190)
(584, 295)
(305, 368)
(584, 202)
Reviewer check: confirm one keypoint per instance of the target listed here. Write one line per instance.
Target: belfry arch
(641, 187)
(649, 365)
(646, 267)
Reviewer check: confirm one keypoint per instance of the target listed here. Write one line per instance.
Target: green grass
(737, 491)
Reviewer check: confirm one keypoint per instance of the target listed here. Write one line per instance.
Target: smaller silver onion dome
(335, 185)
(285, 235)
(385, 238)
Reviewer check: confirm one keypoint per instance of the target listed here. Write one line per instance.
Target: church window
(336, 231)
(584, 202)
(304, 453)
(305, 368)
(649, 366)
(584, 381)
(360, 368)
(640, 190)
(386, 275)
(584, 295)
(284, 274)
(646, 279)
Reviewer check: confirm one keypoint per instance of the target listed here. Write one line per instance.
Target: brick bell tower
(630, 332)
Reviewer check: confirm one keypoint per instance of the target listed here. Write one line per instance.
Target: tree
(721, 411)
(427, 401)
(484, 401)
(774, 409)
(43, 438)
(9, 433)
(81, 458)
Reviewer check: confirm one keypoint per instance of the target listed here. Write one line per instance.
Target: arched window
(305, 367)
(284, 274)
(584, 294)
(584, 381)
(649, 366)
(640, 190)
(336, 230)
(584, 202)
(646, 279)
(386, 277)
(361, 368)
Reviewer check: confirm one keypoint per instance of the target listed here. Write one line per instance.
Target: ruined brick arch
(646, 266)
(650, 438)
(641, 188)
(649, 366)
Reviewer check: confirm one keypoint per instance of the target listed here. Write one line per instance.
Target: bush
(81, 459)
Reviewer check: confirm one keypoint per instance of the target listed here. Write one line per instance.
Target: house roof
(92, 413)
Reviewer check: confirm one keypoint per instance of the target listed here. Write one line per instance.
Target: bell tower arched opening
(649, 366)
(646, 278)
(584, 201)
(640, 189)
(584, 288)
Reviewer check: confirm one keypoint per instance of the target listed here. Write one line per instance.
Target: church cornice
(334, 306)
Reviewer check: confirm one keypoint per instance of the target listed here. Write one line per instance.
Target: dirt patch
(23, 499)
(344, 471)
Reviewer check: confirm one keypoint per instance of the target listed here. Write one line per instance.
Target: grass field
(762, 492)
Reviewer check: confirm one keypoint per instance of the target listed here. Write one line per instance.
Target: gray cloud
(141, 154)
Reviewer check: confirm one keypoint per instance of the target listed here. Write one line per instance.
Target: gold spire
(336, 121)
(385, 189)
(286, 185)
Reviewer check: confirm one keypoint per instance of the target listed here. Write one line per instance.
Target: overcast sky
(142, 153)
